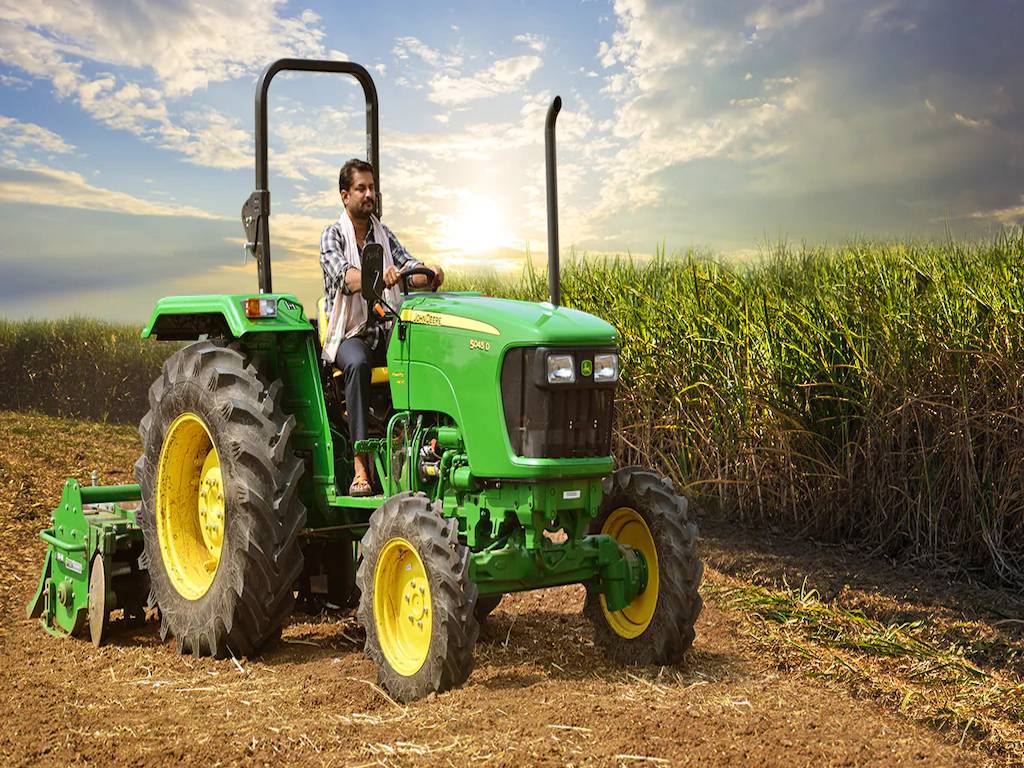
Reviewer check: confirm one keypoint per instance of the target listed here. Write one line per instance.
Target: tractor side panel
(446, 374)
(398, 368)
(458, 372)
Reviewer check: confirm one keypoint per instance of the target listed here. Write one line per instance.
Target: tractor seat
(378, 375)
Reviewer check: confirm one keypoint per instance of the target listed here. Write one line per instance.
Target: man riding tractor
(349, 343)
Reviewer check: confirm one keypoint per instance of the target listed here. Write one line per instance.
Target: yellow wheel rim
(626, 526)
(190, 508)
(402, 611)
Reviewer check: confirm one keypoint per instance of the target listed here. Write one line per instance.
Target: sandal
(360, 487)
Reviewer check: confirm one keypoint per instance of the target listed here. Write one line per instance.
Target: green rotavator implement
(493, 435)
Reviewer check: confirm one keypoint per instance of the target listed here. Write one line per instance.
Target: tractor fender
(186, 318)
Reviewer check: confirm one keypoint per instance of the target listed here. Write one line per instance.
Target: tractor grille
(555, 421)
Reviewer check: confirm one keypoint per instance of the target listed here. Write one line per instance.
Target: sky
(126, 133)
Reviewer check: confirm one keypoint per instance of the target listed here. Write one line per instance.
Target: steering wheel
(404, 278)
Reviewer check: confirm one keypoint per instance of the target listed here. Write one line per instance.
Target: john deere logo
(586, 367)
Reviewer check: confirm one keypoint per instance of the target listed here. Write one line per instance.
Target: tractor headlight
(561, 369)
(606, 367)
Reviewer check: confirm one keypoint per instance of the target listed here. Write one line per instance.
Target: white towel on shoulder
(348, 313)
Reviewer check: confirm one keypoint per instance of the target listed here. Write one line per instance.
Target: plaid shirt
(335, 263)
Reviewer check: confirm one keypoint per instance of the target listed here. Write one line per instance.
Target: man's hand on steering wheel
(438, 276)
(391, 276)
(434, 276)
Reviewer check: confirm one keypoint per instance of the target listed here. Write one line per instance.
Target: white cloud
(772, 83)
(652, 36)
(769, 17)
(474, 141)
(299, 235)
(535, 42)
(1013, 214)
(975, 124)
(413, 46)
(305, 142)
(211, 139)
(324, 199)
(504, 76)
(889, 16)
(615, 84)
(488, 141)
(16, 135)
(658, 123)
(187, 44)
(448, 86)
(204, 136)
(17, 83)
(41, 185)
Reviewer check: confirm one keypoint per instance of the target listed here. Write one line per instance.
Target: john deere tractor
(493, 467)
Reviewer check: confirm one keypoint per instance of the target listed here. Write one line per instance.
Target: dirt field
(882, 665)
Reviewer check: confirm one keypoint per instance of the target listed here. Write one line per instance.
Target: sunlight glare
(477, 227)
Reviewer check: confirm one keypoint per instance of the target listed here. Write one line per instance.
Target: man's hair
(348, 171)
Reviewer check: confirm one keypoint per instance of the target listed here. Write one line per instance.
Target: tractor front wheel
(643, 511)
(220, 514)
(416, 600)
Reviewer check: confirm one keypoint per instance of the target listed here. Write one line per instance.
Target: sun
(477, 227)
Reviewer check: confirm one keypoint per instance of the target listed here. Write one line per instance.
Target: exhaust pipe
(554, 286)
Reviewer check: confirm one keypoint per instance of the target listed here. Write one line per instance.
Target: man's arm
(404, 260)
(338, 271)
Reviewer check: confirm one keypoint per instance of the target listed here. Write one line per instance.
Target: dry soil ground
(779, 675)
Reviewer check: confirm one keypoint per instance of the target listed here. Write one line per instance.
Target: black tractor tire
(485, 606)
(671, 629)
(251, 596)
(454, 628)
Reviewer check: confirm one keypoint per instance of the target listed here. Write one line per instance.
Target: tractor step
(359, 502)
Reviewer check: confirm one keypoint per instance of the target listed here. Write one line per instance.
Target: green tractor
(492, 455)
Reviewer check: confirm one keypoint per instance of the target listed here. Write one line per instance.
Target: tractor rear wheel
(643, 511)
(220, 511)
(416, 599)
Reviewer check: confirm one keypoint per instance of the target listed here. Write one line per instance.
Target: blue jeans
(356, 359)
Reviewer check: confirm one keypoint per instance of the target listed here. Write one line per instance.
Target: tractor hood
(515, 322)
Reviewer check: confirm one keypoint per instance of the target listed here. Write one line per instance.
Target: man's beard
(361, 212)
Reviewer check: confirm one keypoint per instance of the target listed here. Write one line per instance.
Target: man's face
(359, 199)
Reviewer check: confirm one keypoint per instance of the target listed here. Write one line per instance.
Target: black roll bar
(554, 287)
(256, 210)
